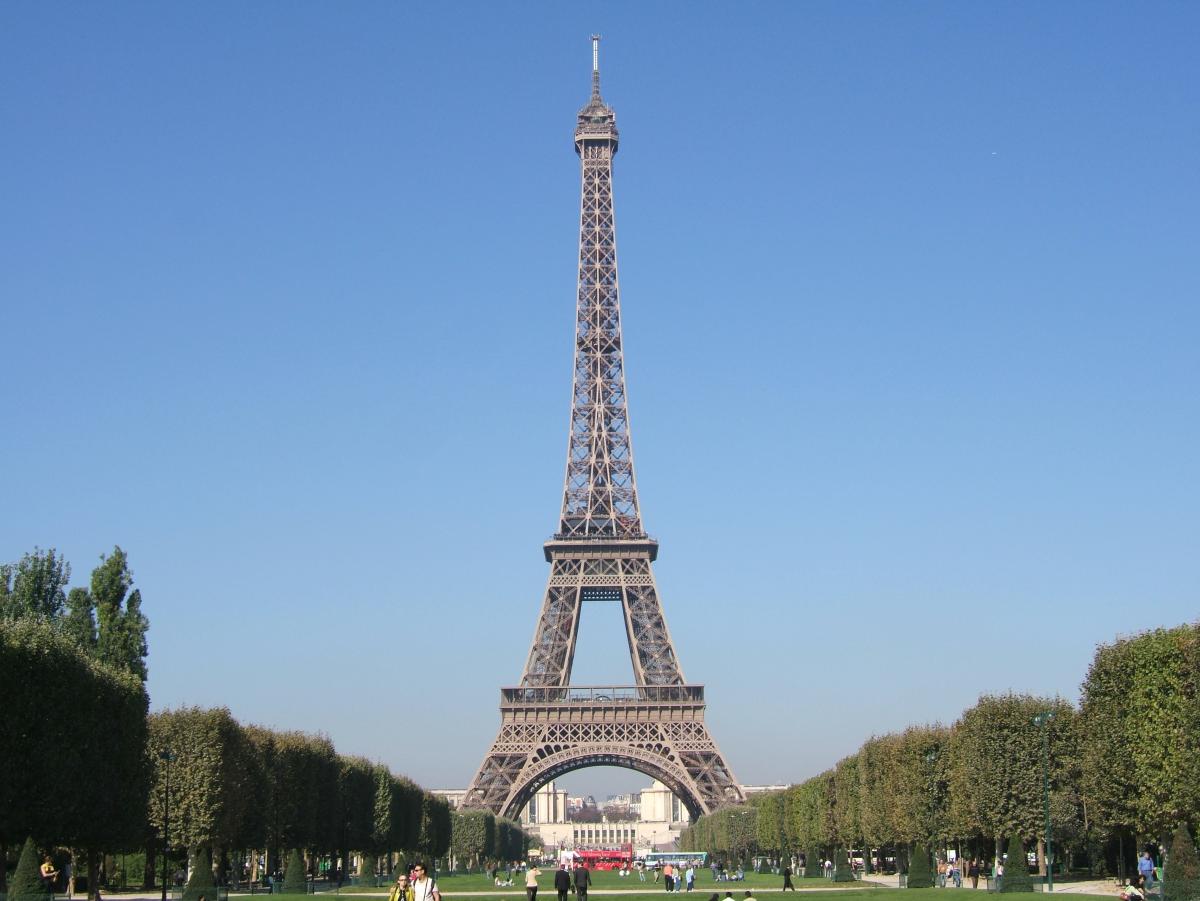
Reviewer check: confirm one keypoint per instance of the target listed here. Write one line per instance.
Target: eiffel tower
(601, 553)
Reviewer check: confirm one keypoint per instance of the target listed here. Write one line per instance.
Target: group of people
(415, 884)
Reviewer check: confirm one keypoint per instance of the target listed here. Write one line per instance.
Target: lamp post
(166, 757)
(1042, 721)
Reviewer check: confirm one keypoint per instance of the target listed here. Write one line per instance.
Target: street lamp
(1042, 721)
(166, 757)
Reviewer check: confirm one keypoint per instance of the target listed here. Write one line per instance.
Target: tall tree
(34, 587)
(121, 625)
(79, 621)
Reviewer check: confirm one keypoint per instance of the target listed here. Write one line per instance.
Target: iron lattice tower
(601, 553)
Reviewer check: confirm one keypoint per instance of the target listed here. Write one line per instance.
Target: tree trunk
(148, 878)
(1041, 856)
(93, 871)
(999, 850)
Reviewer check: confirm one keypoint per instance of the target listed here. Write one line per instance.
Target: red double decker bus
(606, 858)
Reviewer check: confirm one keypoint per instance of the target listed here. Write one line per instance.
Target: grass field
(628, 893)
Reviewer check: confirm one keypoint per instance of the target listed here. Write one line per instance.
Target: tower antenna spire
(595, 65)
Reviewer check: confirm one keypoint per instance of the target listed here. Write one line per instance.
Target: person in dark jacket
(562, 882)
(583, 879)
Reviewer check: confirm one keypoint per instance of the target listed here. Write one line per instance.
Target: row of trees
(1123, 766)
(75, 722)
(231, 788)
(95, 767)
(479, 835)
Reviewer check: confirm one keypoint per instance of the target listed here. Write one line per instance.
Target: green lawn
(852, 890)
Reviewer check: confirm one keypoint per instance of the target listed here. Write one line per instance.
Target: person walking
(669, 877)
(583, 879)
(423, 886)
(787, 879)
(973, 872)
(690, 877)
(562, 881)
(531, 885)
(1145, 870)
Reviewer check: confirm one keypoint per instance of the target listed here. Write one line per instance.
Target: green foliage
(100, 747)
(208, 774)
(33, 588)
(356, 802)
(769, 825)
(814, 863)
(847, 824)
(1016, 869)
(1140, 731)
(842, 871)
(1182, 876)
(295, 878)
(201, 880)
(79, 623)
(920, 874)
(121, 626)
(26, 881)
(996, 764)
(435, 827)
(472, 835)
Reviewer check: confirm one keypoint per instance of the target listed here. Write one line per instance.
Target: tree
(842, 870)
(472, 835)
(201, 880)
(121, 626)
(208, 773)
(1016, 868)
(79, 623)
(996, 765)
(84, 777)
(919, 873)
(33, 588)
(295, 879)
(1182, 875)
(26, 883)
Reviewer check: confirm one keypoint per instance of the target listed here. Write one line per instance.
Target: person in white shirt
(423, 886)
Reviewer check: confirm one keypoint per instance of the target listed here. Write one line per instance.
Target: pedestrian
(641, 868)
(1145, 869)
(973, 872)
(562, 881)
(828, 867)
(583, 879)
(531, 885)
(69, 875)
(690, 877)
(423, 886)
(669, 877)
(402, 890)
(49, 874)
(787, 879)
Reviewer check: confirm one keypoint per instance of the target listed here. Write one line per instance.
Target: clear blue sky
(911, 312)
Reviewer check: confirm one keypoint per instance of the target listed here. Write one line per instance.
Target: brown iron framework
(601, 553)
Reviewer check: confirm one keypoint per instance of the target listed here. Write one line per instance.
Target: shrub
(1182, 876)
(295, 880)
(201, 880)
(842, 871)
(1016, 868)
(920, 875)
(26, 882)
(814, 864)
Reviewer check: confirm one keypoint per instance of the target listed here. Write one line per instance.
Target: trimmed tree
(920, 875)
(201, 880)
(1182, 876)
(26, 883)
(1016, 869)
(814, 864)
(842, 871)
(295, 880)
